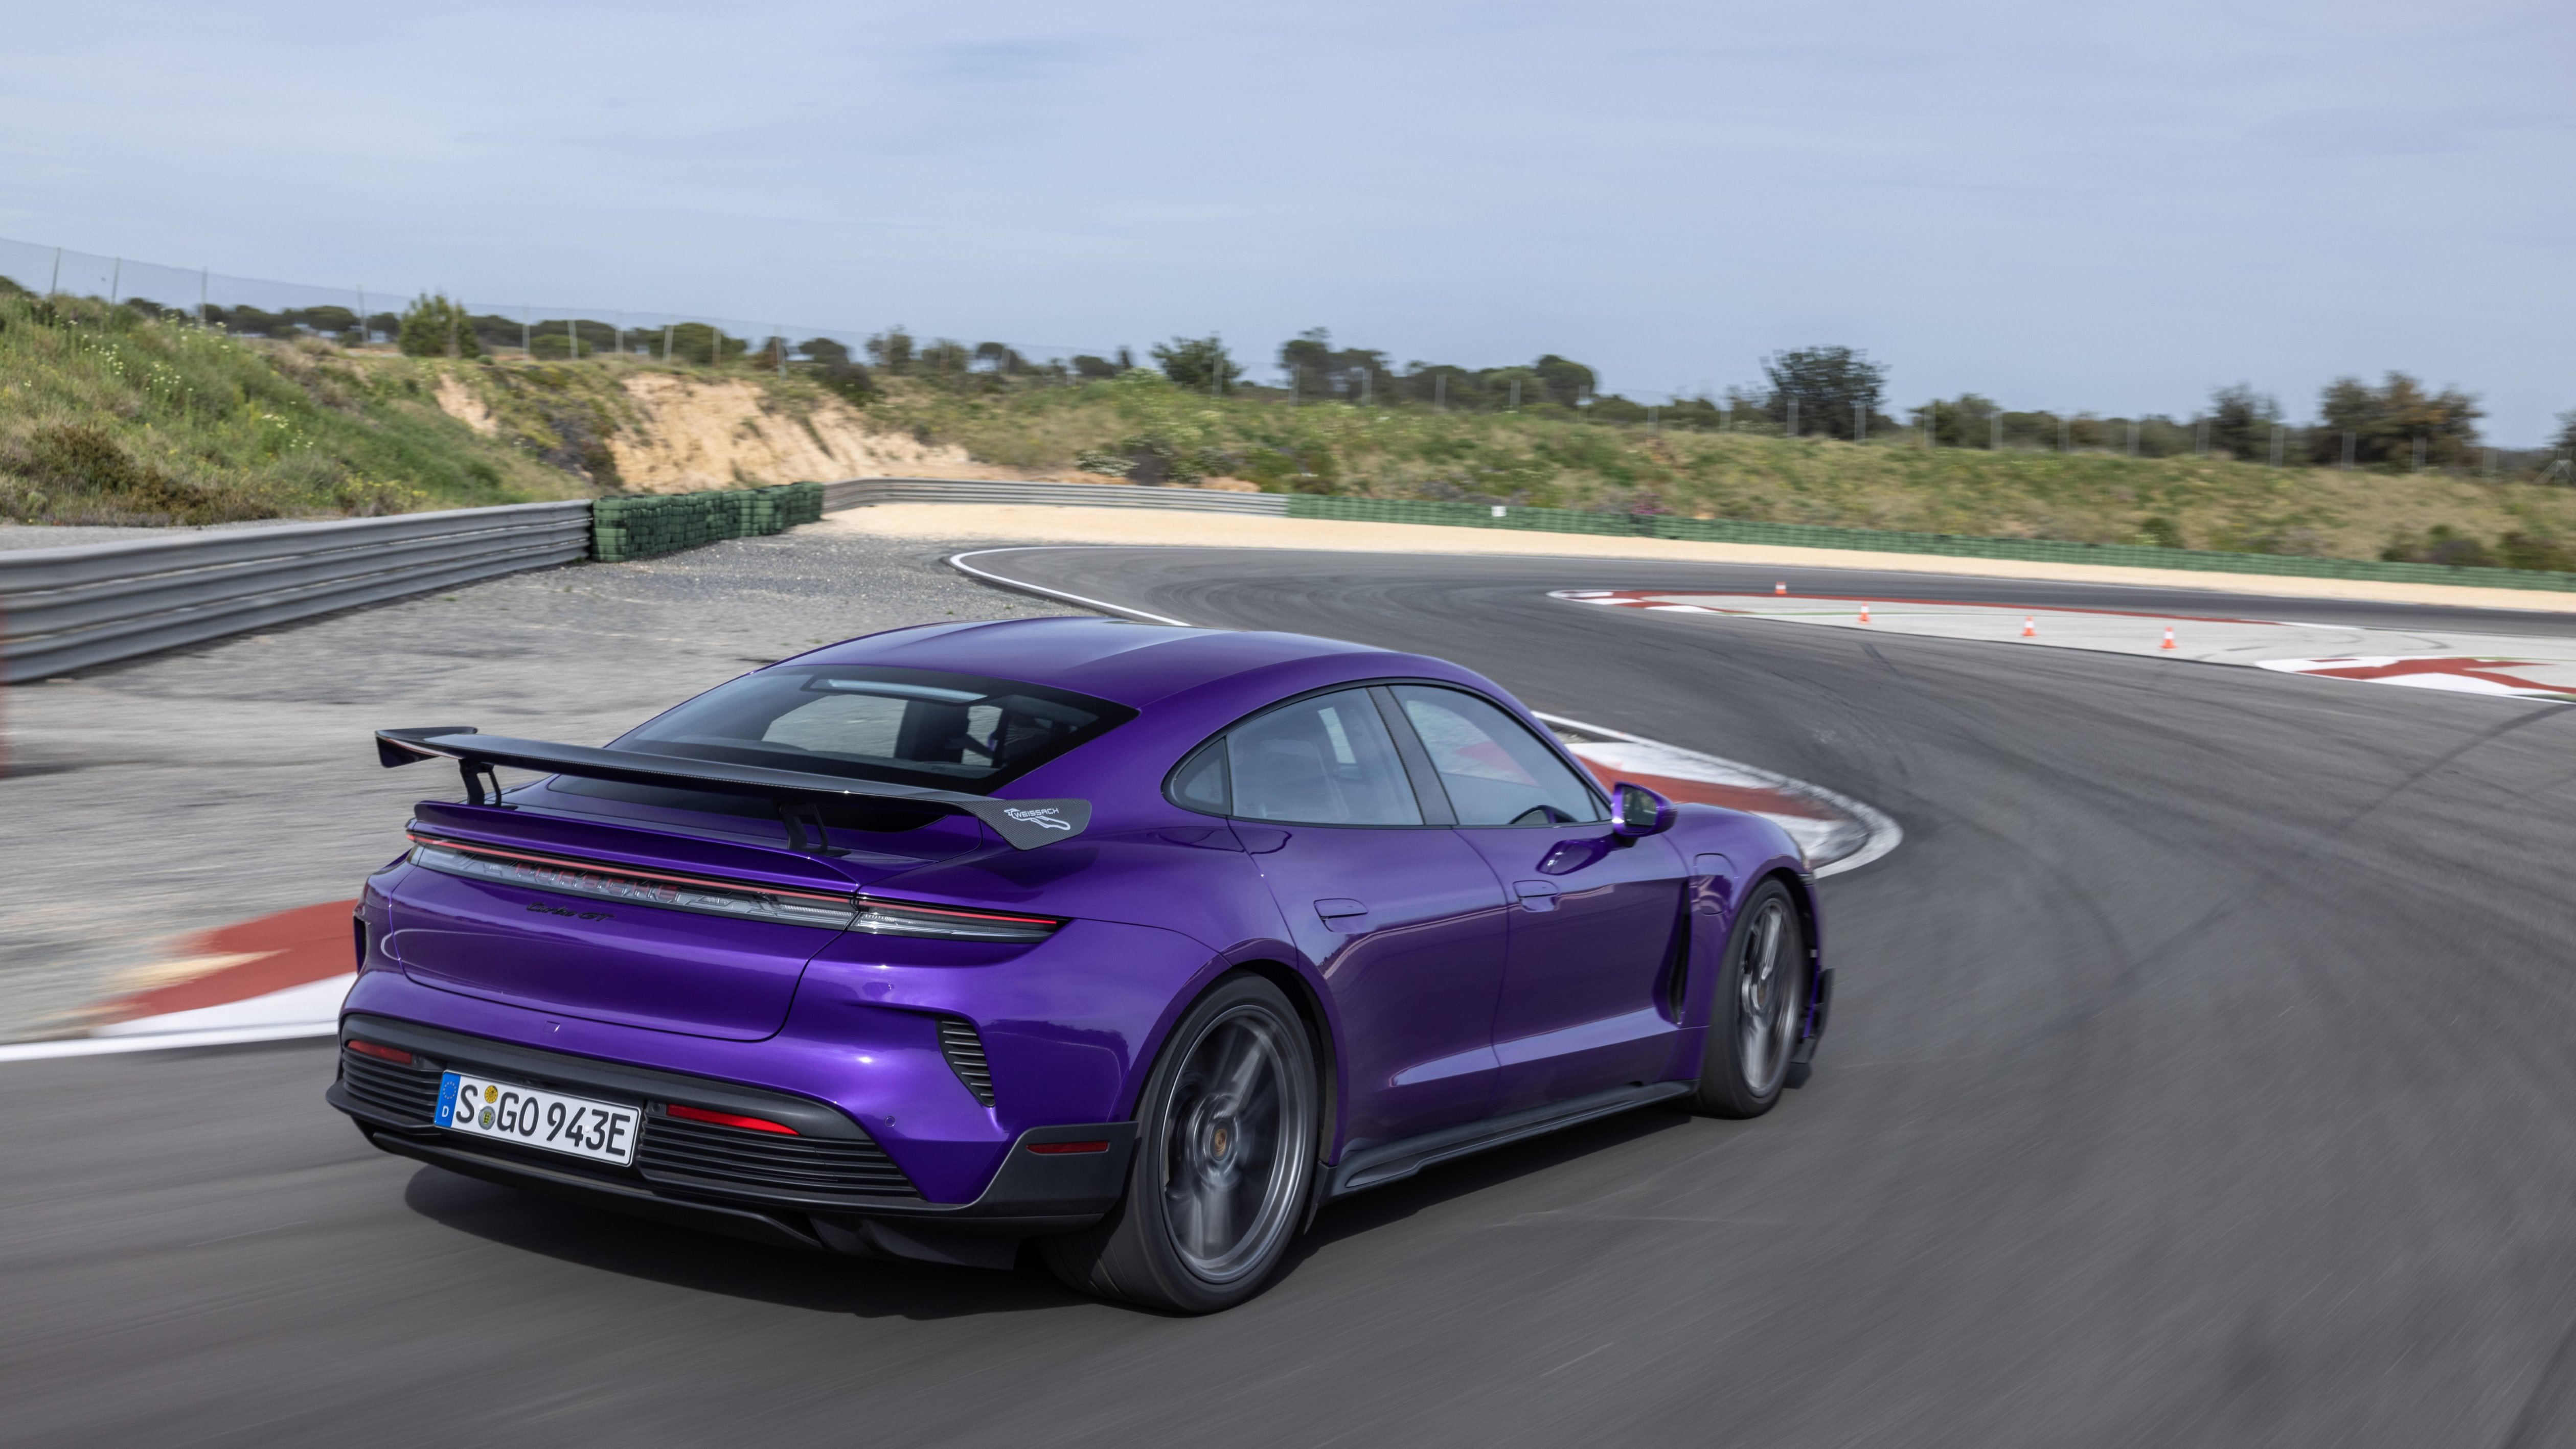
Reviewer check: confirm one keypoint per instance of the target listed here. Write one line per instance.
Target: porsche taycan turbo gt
(1135, 943)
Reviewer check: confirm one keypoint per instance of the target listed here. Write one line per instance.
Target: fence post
(115, 280)
(528, 330)
(362, 314)
(1860, 423)
(204, 276)
(1793, 415)
(1997, 420)
(2065, 434)
(2278, 433)
(667, 328)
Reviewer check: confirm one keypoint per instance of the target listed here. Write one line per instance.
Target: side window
(1200, 784)
(1322, 761)
(1496, 772)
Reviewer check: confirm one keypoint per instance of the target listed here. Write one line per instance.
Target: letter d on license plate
(534, 1117)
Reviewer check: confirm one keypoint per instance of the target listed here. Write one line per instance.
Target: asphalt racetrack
(2199, 1075)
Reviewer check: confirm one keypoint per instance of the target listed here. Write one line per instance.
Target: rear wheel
(1759, 1009)
(1224, 1165)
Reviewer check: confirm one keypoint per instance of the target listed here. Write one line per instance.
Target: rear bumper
(1033, 1193)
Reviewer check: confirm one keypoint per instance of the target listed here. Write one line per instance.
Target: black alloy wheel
(1225, 1163)
(1758, 1012)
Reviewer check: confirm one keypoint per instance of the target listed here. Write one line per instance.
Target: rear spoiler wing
(1023, 824)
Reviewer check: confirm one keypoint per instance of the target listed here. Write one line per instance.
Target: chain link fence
(371, 316)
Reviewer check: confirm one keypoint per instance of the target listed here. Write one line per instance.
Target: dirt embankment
(661, 432)
(689, 434)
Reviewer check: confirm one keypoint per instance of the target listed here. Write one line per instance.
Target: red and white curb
(2522, 666)
(1836, 832)
(270, 978)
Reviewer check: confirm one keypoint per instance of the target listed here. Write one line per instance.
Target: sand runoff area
(1016, 523)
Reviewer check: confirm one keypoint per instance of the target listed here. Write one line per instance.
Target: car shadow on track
(709, 1263)
(1380, 1207)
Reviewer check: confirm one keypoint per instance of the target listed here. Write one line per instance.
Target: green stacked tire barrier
(626, 528)
(1873, 540)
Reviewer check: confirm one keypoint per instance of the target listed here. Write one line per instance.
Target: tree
(825, 351)
(2241, 422)
(433, 326)
(891, 350)
(1828, 384)
(2385, 423)
(1567, 381)
(1198, 363)
(1000, 359)
(1093, 369)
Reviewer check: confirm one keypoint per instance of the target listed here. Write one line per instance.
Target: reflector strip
(726, 1119)
(1053, 1148)
(398, 1057)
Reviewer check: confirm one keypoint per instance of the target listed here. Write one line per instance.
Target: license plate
(533, 1117)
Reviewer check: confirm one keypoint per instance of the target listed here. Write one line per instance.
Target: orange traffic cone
(1864, 613)
(2168, 639)
(1780, 588)
(2029, 630)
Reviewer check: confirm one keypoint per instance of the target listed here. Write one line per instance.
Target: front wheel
(1759, 1009)
(1225, 1161)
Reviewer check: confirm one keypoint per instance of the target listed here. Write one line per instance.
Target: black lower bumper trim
(1033, 1193)
(600, 1193)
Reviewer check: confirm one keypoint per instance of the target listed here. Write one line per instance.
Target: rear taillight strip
(795, 908)
(739, 900)
(902, 918)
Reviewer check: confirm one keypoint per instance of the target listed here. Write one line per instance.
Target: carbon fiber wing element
(1023, 824)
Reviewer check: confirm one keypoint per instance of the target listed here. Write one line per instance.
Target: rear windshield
(910, 726)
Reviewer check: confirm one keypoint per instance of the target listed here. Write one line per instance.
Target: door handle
(1343, 916)
(1536, 895)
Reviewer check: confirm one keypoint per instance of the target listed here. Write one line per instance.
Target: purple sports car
(1139, 943)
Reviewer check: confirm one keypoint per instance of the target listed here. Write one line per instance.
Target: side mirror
(1637, 812)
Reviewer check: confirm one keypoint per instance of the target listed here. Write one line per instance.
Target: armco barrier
(68, 608)
(1871, 540)
(860, 492)
(63, 609)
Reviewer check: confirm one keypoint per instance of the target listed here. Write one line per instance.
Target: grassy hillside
(109, 417)
(1554, 460)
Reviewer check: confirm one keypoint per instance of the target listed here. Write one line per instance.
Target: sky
(2114, 207)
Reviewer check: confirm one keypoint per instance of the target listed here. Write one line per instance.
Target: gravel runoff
(149, 800)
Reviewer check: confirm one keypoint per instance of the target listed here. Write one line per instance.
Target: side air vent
(406, 1092)
(965, 1052)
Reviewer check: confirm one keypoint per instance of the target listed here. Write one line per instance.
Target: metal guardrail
(860, 492)
(63, 609)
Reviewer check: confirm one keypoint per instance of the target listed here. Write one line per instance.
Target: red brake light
(1052, 1148)
(394, 1055)
(726, 1119)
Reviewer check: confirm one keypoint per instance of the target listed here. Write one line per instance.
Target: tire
(1225, 1164)
(1759, 1009)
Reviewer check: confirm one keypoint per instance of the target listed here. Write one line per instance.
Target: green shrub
(436, 327)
